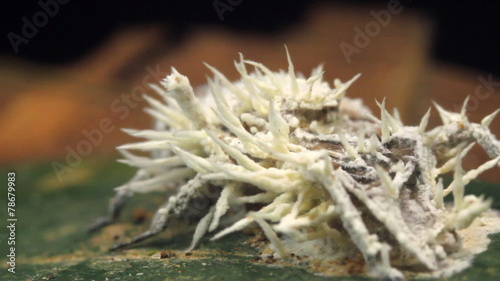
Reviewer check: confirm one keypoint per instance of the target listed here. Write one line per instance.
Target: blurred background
(71, 72)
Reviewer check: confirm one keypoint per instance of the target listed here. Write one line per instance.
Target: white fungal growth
(326, 175)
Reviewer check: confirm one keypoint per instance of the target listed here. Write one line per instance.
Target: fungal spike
(392, 122)
(172, 115)
(463, 111)
(317, 77)
(265, 197)
(145, 163)
(397, 116)
(241, 158)
(241, 66)
(450, 164)
(395, 125)
(317, 70)
(154, 103)
(151, 134)
(239, 225)
(242, 70)
(131, 132)
(130, 156)
(386, 181)
(157, 183)
(257, 146)
(253, 146)
(164, 119)
(310, 81)
(458, 184)
(438, 197)
(351, 151)
(223, 108)
(473, 207)
(372, 118)
(201, 228)
(423, 123)
(256, 101)
(291, 73)
(268, 73)
(443, 114)
(172, 104)
(161, 92)
(216, 90)
(180, 89)
(222, 205)
(279, 129)
(488, 119)
(384, 122)
(258, 74)
(374, 142)
(222, 78)
(145, 146)
(272, 236)
(170, 118)
(472, 174)
(164, 135)
(269, 179)
(342, 87)
(337, 83)
(361, 141)
(268, 91)
(467, 149)
(197, 163)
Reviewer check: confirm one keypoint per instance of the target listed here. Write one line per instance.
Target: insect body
(320, 166)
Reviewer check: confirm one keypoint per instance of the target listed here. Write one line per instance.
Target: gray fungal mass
(314, 170)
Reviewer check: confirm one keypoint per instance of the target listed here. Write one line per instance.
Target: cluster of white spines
(290, 176)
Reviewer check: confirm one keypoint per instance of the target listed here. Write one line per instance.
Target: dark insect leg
(116, 205)
(158, 224)
(193, 200)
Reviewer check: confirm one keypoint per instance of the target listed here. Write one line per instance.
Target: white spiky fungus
(330, 179)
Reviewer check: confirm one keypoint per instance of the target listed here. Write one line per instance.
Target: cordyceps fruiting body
(329, 178)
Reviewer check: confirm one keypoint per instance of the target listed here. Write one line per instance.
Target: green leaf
(52, 242)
